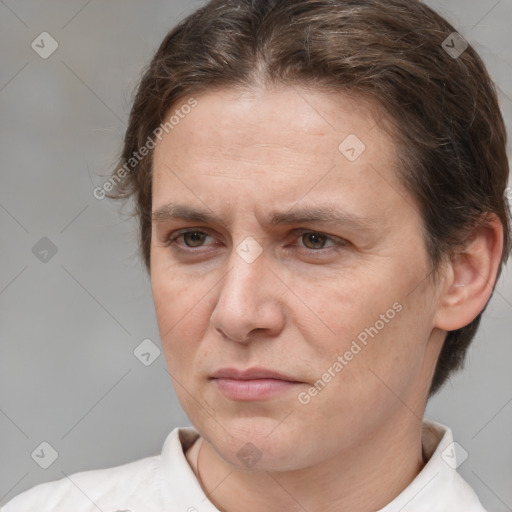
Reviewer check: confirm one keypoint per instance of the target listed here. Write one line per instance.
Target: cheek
(347, 307)
(377, 327)
(180, 316)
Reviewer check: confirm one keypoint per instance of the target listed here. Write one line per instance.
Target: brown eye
(314, 240)
(191, 239)
(196, 238)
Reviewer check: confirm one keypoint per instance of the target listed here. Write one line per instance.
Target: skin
(299, 305)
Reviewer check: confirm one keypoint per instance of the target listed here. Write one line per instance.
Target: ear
(470, 276)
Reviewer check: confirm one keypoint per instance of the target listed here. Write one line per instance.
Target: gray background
(69, 326)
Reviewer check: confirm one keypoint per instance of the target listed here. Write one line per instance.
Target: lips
(252, 384)
(250, 374)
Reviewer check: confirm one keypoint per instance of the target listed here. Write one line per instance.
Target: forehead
(279, 145)
(280, 117)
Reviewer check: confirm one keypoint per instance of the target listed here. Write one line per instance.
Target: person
(320, 190)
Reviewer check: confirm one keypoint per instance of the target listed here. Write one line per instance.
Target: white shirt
(166, 482)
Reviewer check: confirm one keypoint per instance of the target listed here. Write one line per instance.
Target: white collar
(437, 488)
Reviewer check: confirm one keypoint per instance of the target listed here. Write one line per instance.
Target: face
(308, 261)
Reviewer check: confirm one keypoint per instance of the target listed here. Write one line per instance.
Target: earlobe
(471, 275)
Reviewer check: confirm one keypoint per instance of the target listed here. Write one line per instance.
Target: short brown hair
(449, 128)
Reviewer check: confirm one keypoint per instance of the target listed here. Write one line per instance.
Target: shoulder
(103, 489)
(464, 497)
(151, 484)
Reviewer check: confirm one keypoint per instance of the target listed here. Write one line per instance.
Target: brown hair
(449, 128)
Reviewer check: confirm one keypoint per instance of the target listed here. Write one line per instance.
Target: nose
(249, 300)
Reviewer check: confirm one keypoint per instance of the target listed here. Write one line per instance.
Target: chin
(256, 443)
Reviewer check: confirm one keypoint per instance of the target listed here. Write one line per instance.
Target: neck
(364, 478)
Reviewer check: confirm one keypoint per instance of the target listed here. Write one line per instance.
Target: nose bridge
(245, 301)
(244, 283)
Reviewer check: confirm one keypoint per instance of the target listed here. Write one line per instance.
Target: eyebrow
(326, 214)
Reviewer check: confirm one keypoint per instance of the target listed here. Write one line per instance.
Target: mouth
(252, 384)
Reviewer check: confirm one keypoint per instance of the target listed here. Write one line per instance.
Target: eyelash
(337, 242)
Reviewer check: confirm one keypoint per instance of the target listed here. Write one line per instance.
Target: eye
(191, 238)
(315, 241)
